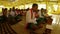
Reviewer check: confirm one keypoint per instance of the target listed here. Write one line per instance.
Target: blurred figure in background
(17, 11)
(1, 12)
(44, 13)
(5, 27)
(12, 13)
(5, 12)
(49, 26)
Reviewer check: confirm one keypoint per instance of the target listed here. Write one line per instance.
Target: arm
(28, 16)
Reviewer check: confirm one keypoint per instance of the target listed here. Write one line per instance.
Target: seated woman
(49, 27)
(41, 22)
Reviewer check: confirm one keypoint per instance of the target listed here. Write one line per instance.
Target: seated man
(31, 16)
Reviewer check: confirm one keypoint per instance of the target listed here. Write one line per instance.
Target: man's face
(35, 8)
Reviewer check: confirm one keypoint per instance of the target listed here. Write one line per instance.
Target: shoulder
(29, 11)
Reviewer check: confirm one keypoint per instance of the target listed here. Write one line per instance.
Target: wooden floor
(20, 28)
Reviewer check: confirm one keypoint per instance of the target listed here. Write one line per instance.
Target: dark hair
(5, 8)
(42, 8)
(34, 5)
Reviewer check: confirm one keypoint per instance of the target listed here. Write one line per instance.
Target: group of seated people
(8, 18)
(35, 18)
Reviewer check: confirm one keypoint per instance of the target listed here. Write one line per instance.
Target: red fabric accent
(36, 14)
(31, 13)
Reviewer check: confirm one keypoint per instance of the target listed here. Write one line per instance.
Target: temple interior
(22, 6)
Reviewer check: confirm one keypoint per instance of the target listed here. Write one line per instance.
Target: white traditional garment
(33, 19)
(12, 13)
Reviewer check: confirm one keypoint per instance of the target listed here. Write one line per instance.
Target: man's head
(42, 9)
(35, 7)
(13, 9)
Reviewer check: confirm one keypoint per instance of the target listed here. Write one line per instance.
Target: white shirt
(12, 13)
(28, 17)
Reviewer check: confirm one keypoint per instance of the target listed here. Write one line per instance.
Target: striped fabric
(5, 28)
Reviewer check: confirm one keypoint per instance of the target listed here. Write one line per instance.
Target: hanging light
(55, 7)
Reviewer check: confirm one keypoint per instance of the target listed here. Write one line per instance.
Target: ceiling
(15, 2)
(11, 3)
(20, 2)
